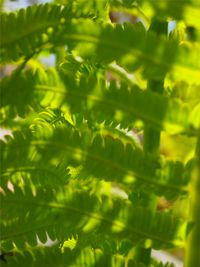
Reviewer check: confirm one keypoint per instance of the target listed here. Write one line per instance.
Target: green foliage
(30, 29)
(99, 41)
(101, 157)
(95, 100)
(49, 256)
(85, 164)
(87, 213)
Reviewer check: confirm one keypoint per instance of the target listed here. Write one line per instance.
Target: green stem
(151, 143)
(60, 55)
(192, 258)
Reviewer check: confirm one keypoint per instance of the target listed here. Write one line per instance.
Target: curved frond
(95, 100)
(153, 54)
(100, 157)
(87, 257)
(62, 213)
(26, 31)
(83, 179)
(52, 256)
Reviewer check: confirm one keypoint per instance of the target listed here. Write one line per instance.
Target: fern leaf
(102, 158)
(96, 9)
(87, 257)
(45, 256)
(22, 166)
(102, 42)
(95, 100)
(54, 118)
(24, 32)
(155, 55)
(28, 30)
(49, 211)
(36, 172)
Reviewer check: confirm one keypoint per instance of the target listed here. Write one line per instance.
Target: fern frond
(26, 31)
(42, 173)
(154, 55)
(23, 166)
(69, 170)
(87, 257)
(65, 212)
(54, 117)
(97, 9)
(102, 158)
(95, 100)
(102, 42)
(31, 29)
(27, 168)
(46, 256)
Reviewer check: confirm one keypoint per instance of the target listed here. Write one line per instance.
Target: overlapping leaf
(45, 256)
(62, 213)
(95, 100)
(133, 48)
(27, 30)
(102, 158)
(86, 257)
(54, 160)
(129, 45)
